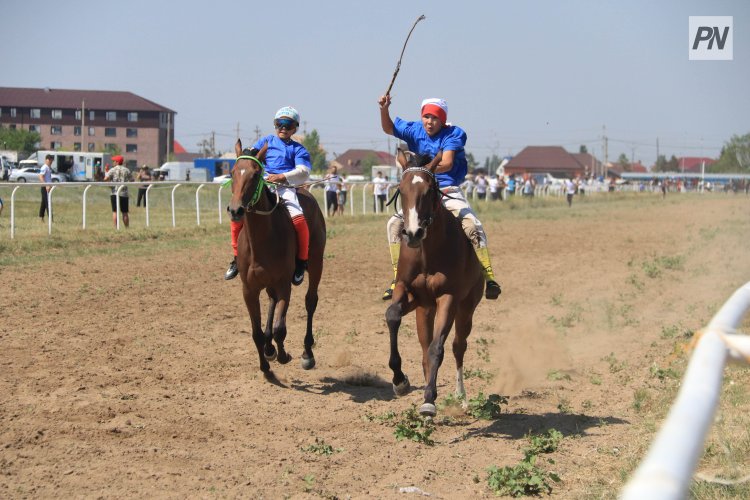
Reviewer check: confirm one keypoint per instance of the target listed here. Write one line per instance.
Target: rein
(434, 180)
(259, 189)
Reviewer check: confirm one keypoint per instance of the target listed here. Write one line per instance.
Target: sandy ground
(134, 376)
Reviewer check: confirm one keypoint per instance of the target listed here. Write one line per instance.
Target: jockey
(427, 137)
(287, 165)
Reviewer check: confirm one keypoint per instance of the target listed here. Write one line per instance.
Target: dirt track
(138, 378)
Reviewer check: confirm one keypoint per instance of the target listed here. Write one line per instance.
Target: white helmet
(287, 112)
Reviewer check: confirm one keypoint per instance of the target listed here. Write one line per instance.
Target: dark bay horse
(266, 250)
(438, 275)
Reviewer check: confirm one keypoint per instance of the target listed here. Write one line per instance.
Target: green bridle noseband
(261, 181)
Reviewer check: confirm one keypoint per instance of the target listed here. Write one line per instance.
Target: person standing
(494, 186)
(332, 186)
(429, 136)
(380, 189)
(481, 186)
(119, 173)
(342, 198)
(45, 175)
(144, 175)
(570, 190)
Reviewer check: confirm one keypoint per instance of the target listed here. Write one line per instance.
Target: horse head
(247, 179)
(420, 195)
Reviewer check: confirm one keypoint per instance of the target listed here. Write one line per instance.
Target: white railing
(666, 471)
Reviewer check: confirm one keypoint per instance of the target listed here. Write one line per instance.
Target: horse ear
(262, 153)
(238, 148)
(406, 158)
(435, 162)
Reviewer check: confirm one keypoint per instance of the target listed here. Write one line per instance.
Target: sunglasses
(285, 123)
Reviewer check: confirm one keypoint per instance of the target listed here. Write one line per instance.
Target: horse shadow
(373, 388)
(519, 425)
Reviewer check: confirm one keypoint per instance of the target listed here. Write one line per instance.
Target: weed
(614, 365)
(451, 400)
(651, 269)
(525, 478)
(546, 442)
(413, 427)
(486, 408)
(351, 335)
(669, 332)
(633, 280)
(322, 448)
(564, 406)
(595, 379)
(483, 351)
(640, 399)
(382, 419)
(557, 375)
(478, 373)
(557, 299)
(587, 404)
(309, 482)
(664, 373)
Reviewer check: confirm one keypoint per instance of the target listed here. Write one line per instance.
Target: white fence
(666, 471)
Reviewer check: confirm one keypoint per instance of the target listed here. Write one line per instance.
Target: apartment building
(93, 121)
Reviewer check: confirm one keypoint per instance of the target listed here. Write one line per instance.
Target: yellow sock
(395, 249)
(484, 258)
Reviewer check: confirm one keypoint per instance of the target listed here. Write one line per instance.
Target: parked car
(31, 174)
(221, 179)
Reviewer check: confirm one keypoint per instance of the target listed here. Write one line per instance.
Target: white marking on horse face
(417, 179)
(411, 221)
(242, 171)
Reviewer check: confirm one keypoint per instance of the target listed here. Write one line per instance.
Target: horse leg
(311, 304)
(279, 327)
(393, 315)
(252, 301)
(446, 312)
(464, 319)
(425, 331)
(269, 351)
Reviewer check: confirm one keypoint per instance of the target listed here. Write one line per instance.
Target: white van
(177, 171)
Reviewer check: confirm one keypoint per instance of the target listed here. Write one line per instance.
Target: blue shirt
(283, 156)
(450, 138)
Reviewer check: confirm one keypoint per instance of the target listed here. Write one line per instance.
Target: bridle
(249, 207)
(433, 181)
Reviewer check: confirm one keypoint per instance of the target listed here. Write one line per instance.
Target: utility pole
(213, 142)
(657, 150)
(257, 133)
(238, 130)
(606, 151)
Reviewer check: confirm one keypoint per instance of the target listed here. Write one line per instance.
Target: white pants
(289, 195)
(459, 207)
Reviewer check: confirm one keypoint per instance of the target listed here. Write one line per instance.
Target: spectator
(45, 175)
(528, 187)
(570, 190)
(342, 198)
(144, 175)
(481, 186)
(511, 186)
(494, 185)
(380, 190)
(119, 173)
(332, 185)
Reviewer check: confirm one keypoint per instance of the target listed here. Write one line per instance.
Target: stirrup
(388, 294)
(232, 271)
(492, 290)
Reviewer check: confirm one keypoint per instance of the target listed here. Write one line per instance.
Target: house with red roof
(535, 160)
(358, 161)
(693, 164)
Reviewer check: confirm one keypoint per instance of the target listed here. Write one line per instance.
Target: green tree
(471, 161)
(317, 153)
(661, 164)
(367, 164)
(23, 141)
(113, 149)
(735, 156)
(624, 163)
(672, 165)
(583, 149)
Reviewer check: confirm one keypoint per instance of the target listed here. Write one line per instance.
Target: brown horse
(438, 275)
(266, 251)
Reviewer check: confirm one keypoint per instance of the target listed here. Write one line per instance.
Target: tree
(661, 164)
(113, 149)
(672, 165)
(735, 156)
(23, 141)
(583, 149)
(317, 153)
(624, 163)
(472, 163)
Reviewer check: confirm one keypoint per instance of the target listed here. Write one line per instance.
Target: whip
(398, 66)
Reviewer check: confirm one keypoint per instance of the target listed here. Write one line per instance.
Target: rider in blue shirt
(427, 137)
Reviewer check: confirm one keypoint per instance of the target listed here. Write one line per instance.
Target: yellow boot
(492, 289)
(395, 249)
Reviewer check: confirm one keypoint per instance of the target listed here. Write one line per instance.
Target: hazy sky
(514, 73)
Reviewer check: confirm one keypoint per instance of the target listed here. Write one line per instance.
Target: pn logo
(710, 38)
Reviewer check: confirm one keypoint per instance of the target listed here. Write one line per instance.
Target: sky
(514, 73)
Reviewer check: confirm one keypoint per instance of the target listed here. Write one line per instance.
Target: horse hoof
(307, 363)
(272, 355)
(428, 410)
(402, 388)
(284, 358)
